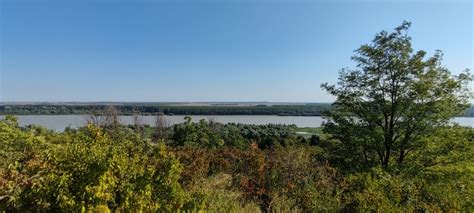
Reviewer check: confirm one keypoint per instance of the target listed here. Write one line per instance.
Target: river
(59, 122)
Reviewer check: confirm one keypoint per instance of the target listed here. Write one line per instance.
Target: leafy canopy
(391, 99)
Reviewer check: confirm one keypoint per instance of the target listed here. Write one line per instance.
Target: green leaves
(99, 169)
(87, 171)
(391, 130)
(392, 99)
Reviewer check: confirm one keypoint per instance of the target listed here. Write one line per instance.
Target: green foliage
(119, 169)
(87, 170)
(196, 134)
(392, 99)
(21, 166)
(214, 135)
(221, 196)
(288, 179)
(380, 190)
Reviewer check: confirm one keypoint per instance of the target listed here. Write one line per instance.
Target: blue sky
(215, 50)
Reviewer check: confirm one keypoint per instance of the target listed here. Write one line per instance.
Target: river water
(59, 122)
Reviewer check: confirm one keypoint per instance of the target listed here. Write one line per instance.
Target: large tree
(392, 98)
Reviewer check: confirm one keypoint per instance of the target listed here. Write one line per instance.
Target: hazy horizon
(160, 102)
(205, 50)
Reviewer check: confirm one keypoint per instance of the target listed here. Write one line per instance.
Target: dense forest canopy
(129, 109)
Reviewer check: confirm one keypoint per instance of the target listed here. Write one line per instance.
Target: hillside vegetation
(217, 167)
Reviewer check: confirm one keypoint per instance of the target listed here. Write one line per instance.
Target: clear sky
(215, 50)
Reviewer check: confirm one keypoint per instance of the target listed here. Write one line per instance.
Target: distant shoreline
(211, 108)
(175, 108)
(159, 103)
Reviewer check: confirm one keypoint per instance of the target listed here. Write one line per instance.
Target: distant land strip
(176, 108)
(247, 108)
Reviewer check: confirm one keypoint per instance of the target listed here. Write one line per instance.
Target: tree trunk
(386, 158)
(401, 156)
(388, 148)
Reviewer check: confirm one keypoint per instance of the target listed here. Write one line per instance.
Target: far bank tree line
(283, 110)
(316, 109)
